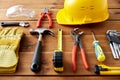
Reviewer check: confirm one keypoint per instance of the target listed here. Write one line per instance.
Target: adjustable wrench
(23, 24)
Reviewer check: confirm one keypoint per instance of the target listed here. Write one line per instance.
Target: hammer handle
(36, 62)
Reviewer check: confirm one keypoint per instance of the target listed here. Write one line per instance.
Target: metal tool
(36, 62)
(78, 42)
(24, 24)
(114, 42)
(45, 13)
(98, 50)
(106, 70)
(57, 57)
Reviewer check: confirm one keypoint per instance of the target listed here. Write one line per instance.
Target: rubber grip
(74, 58)
(36, 62)
(39, 20)
(4, 24)
(50, 20)
(84, 59)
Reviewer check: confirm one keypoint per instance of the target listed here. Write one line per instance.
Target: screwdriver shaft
(93, 36)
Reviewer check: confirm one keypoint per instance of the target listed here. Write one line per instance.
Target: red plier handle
(74, 52)
(42, 16)
(82, 52)
(40, 19)
(84, 59)
(50, 20)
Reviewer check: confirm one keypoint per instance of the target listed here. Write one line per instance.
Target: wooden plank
(114, 3)
(61, 78)
(45, 3)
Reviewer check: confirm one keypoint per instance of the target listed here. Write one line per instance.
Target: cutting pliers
(78, 42)
(45, 13)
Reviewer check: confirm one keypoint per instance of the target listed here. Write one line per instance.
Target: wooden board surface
(28, 43)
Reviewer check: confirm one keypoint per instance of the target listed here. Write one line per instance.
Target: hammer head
(41, 31)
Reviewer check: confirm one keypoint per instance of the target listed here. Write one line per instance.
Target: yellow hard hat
(83, 12)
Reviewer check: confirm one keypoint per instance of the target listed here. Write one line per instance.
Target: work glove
(9, 47)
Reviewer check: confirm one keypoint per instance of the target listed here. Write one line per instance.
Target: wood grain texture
(49, 43)
(60, 78)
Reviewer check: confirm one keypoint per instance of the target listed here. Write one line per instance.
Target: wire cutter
(78, 42)
(45, 13)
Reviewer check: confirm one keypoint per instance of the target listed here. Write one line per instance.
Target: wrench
(23, 24)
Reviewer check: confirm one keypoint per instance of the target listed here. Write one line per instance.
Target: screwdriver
(98, 50)
(57, 57)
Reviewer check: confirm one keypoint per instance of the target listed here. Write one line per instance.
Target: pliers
(44, 13)
(78, 42)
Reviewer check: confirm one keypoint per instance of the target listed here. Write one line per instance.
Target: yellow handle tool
(98, 50)
(106, 70)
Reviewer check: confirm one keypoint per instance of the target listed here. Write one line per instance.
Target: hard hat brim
(65, 19)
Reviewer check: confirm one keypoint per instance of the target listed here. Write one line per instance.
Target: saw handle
(36, 62)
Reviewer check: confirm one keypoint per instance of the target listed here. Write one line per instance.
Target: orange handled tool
(45, 13)
(74, 51)
(78, 42)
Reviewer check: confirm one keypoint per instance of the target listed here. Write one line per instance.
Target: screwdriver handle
(84, 59)
(74, 58)
(99, 52)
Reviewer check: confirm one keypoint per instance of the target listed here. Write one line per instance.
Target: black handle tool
(5, 24)
(36, 61)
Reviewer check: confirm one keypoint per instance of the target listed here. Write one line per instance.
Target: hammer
(36, 61)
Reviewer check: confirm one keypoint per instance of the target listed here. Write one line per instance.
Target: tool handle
(106, 70)
(74, 58)
(50, 20)
(99, 52)
(40, 19)
(4, 24)
(84, 59)
(36, 62)
(57, 61)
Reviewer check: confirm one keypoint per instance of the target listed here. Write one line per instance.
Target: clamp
(78, 42)
(44, 13)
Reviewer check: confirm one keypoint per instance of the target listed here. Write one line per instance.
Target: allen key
(114, 42)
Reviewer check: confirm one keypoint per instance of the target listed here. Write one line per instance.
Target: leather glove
(9, 46)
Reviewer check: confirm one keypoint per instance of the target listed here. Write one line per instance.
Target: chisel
(57, 57)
